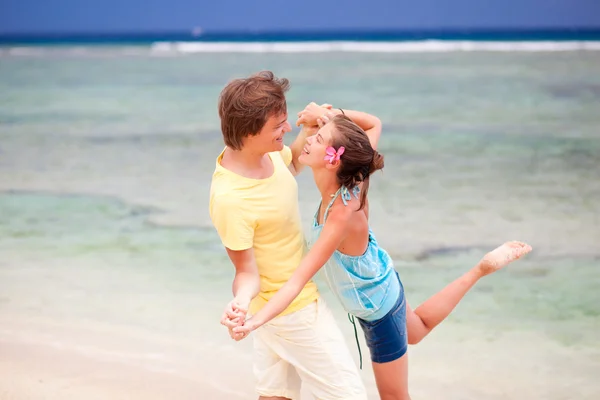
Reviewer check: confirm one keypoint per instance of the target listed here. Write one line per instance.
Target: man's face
(270, 137)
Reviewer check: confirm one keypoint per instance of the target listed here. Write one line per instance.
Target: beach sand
(49, 360)
(42, 372)
(46, 360)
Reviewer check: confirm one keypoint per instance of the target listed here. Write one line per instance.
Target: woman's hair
(359, 160)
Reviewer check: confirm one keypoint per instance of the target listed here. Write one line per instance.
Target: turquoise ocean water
(106, 153)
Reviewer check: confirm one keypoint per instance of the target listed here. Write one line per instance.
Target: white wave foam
(75, 51)
(427, 46)
(174, 49)
(23, 51)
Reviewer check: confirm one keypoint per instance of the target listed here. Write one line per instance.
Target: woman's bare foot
(502, 256)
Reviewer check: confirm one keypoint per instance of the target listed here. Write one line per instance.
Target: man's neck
(249, 164)
(247, 158)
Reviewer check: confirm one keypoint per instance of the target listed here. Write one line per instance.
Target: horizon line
(211, 32)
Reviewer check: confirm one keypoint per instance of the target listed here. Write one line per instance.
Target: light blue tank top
(366, 285)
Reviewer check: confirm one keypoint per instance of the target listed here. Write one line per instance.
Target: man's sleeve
(234, 223)
(286, 154)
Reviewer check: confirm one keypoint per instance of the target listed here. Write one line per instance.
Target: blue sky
(31, 16)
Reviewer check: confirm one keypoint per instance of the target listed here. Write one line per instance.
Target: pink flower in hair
(332, 155)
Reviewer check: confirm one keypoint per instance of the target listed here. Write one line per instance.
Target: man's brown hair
(246, 104)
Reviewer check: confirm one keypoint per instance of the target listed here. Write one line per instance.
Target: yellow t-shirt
(263, 214)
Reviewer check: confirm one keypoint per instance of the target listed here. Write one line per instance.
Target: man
(254, 208)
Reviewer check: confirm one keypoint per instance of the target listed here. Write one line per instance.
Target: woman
(342, 155)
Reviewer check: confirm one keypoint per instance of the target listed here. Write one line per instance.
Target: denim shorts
(386, 337)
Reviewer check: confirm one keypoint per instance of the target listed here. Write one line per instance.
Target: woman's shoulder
(345, 210)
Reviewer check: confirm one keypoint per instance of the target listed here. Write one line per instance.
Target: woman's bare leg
(392, 379)
(273, 398)
(429, 314)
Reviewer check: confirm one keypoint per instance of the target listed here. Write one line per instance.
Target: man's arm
(246, 283)
(235, 226)
(297, 146)
(295, 166)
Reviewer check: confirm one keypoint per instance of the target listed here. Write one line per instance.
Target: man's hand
(235, 309)
(235, 315)
(299, 143)
(242, 331)
(311, 113)
(310, 130)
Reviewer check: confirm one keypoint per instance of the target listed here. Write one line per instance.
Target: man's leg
(276, 378)
(310, 340)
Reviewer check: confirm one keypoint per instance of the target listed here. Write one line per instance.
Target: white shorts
(305, 347)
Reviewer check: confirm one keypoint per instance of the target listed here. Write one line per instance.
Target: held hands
(242, 331)
(314, 115)
(235, 315)
(234, 318)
